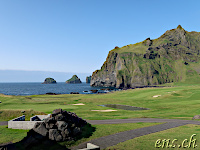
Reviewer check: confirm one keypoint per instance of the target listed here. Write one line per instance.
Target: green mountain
(173, 57)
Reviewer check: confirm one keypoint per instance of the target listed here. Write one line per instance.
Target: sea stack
(74, 80)
(49, 81)
(88, 79)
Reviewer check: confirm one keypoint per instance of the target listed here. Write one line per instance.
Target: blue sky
(76, 36)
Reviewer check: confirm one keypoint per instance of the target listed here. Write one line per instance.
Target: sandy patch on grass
(2, 95)
(79, 104)
(156, 95)
(171, 92)
(108, 110)
(183, 117)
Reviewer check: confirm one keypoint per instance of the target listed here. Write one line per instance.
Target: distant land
(37, 76)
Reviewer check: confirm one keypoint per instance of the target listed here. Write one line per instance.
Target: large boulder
(196, 117)
(54, 134)
(57, 111)
(40, 128)
(60, 126)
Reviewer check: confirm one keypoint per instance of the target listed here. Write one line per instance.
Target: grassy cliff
(173, 57)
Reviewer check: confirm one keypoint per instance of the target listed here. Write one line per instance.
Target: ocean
(36, 88)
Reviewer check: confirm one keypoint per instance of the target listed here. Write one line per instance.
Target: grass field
(149, 141)
(179, 102)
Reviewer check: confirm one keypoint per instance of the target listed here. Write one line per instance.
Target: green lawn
(11, 135)
(149, 141)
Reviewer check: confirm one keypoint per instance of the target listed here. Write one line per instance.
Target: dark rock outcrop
(88, 79)
(50, 93)
(49, 81)
(152, 62)
(61, 126)
(74, 92)
(94, 91)
(74, 79)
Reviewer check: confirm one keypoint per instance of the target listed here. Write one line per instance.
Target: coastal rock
(50, 93)
(94, 91)
(74, 92)
(49, 81)
(151, 62)
(196, 117)
(74, 79)
(88, 79)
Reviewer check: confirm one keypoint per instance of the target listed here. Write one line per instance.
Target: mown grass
(11, 135)
(149, 141)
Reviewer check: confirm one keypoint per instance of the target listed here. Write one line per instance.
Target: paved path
(3, 123)
(114, 139)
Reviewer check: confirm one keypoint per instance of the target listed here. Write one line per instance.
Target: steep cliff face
(171, 58)
(88, 79)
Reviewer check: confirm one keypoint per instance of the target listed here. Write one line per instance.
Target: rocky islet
(49, 81)
(74, 79)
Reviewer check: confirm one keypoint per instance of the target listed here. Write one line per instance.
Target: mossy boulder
(49, 81)
(74, 79)
(170, 58)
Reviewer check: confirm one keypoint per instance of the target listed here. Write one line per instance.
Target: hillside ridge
(173, 57)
